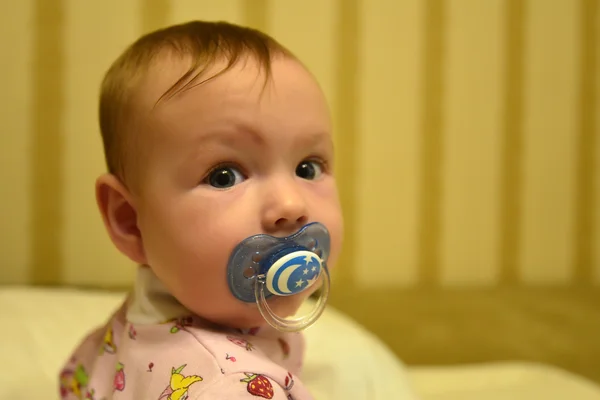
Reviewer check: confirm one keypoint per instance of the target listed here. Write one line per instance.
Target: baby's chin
(247, 316)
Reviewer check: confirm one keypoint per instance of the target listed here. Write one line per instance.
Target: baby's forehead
(243, 89)
(165, 71)
(174, 78)
(170, 76)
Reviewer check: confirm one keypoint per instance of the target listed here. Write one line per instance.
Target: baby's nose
(295, 218)
(285, 210)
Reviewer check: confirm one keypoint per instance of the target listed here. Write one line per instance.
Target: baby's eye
(224, 177)
(309, 170)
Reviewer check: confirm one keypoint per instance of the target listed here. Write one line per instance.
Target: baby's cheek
(335, 226)
(200, 286)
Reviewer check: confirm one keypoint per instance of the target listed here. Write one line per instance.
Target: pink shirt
(183, 358)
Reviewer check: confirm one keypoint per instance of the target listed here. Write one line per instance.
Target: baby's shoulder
(176, 356)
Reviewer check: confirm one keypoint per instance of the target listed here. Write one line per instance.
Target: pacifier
(263, 266)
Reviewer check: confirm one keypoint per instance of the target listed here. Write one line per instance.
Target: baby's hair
(204, 42)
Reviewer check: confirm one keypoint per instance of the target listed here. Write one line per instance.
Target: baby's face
(225, 161)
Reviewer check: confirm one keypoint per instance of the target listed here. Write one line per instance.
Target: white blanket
(39, 327)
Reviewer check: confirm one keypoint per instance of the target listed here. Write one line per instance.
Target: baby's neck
(151, 303)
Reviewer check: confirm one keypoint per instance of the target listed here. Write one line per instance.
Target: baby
(220, 187)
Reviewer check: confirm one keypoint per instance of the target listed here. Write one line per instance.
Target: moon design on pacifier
(293, 273)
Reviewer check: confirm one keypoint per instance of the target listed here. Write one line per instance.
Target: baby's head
(213, 133)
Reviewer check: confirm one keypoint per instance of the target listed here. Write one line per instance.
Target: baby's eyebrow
(208, 141)
(230, 135)
(314, 137)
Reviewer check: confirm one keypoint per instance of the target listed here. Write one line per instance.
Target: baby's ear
(120, 217)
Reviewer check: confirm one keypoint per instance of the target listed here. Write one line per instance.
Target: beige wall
(468, 133)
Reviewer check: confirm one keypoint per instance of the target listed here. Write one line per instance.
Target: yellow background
(467, 134)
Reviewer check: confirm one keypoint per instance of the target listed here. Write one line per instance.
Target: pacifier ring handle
(292, 324)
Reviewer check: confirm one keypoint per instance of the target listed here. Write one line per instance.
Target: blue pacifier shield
(288, 265)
